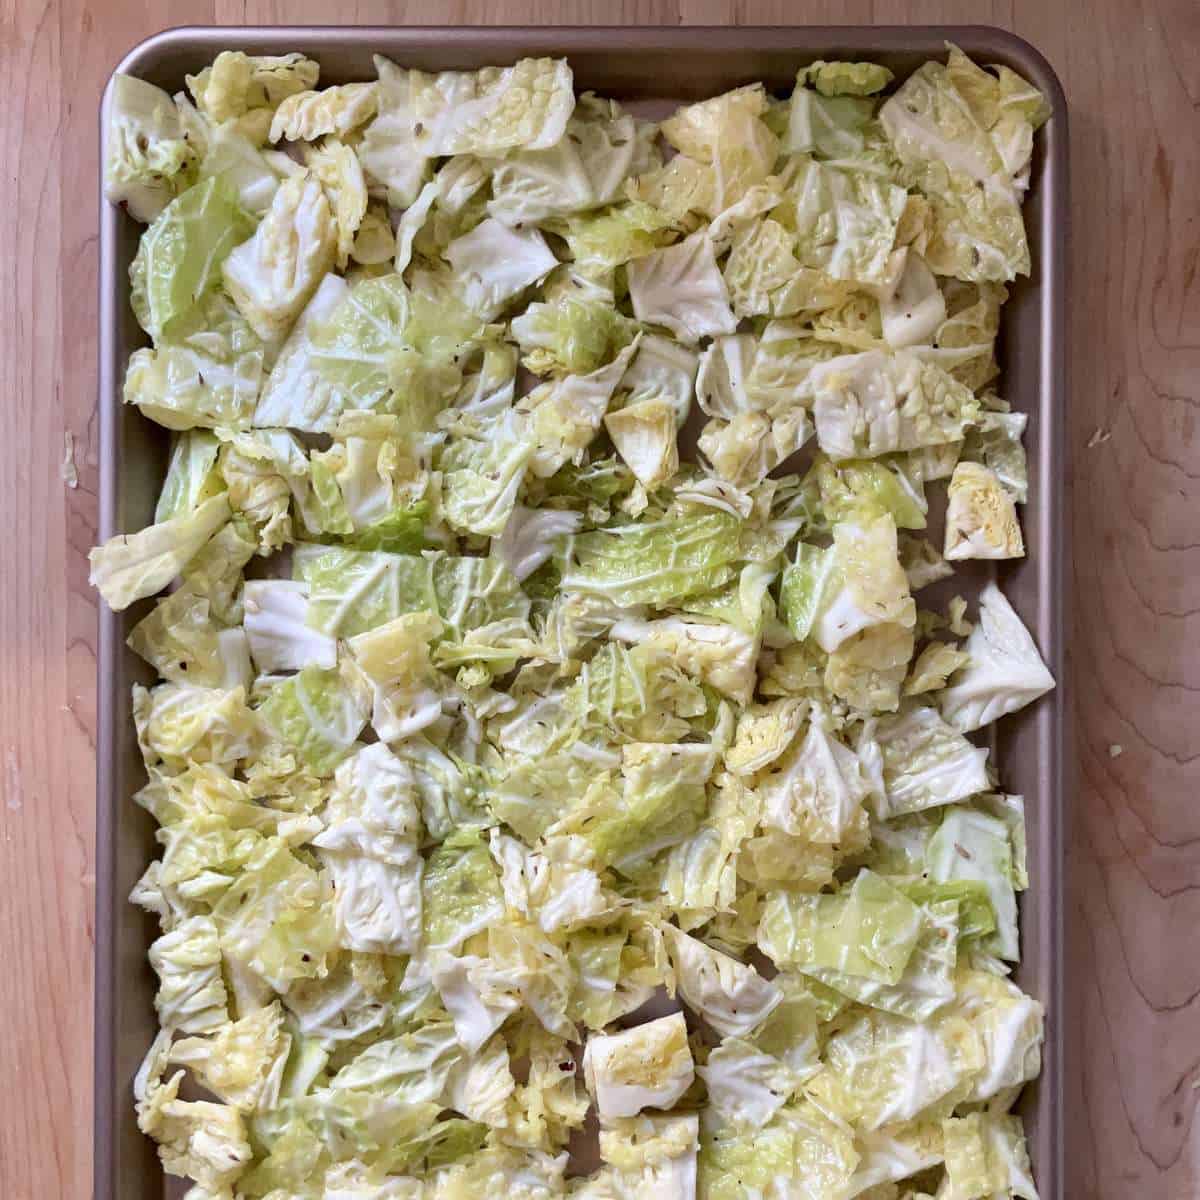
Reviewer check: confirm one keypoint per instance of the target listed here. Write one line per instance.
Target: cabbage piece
(656, 562)
(895, 1153)
(569, 336)
(357, 349)
(745, 1086)
(242, 1062)
(802, 1144)
(699, 876)
(965, 342)
(450, 205)
(462, 892)
(266, 468)
(965, 138)
(387, 151)
(844, 221)
(352, 591)
(651, 1156)
(622, 694)
(318, 713)
(725, 150)
(480, 1086)
(738, 1162)
(933, 667)
(808, 587)
(532, 536)
(555, 887)
(927, 984)
(830, 127)
(915, 311)
(985, 1156)
(740, 374)
(539, 969)
(197, 1139)
(378, 905)
(180, 256)
(191, 478)
(370, 847)
(721, 655)
(566, 414)
(750, 388)
(662, 803)
(870, 588)
(276, 627)
(178, 722)
(643, 433)
(745, 450)
(295, 395)
(521, 1174)
(981, 519)
(493, 109)
(236, 83)
(646, 1066)
(731, 996)
(207, 372)
(1004, 671)
(866, 671)
(844, 78)
(816, 790)
(882, 1069)
(337, 1007)
(340, 174)
(761, 264)
(258, 471)
(191, 995)
(764, 732)
(922, 563)
(481, 477)
(584, 169)
(926, 762)
(602, 240)
(276, 917)
(681, 288)
(493, 263)
(179, 639)
(478, 997)
(663, 369)
(132, 565)
(149, 160)
(306, 116)
(1011, 1027)
(374, 243)
(474, 592)
(395, 657)
(864, 488)
(382, 479)
(996, 443)
(874, 403)
(254, 176)
(413, 1067)
(868, 929)
(272, 276)
(973, 845)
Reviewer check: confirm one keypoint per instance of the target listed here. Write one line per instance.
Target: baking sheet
(633, 64)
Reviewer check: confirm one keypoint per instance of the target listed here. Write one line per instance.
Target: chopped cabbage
(149, 159)
(574, 801)
(1004, 671)
(645, 1066)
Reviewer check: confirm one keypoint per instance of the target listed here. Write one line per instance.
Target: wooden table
(1132, 76)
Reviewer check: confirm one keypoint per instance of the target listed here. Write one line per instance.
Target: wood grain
(1132, 76)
